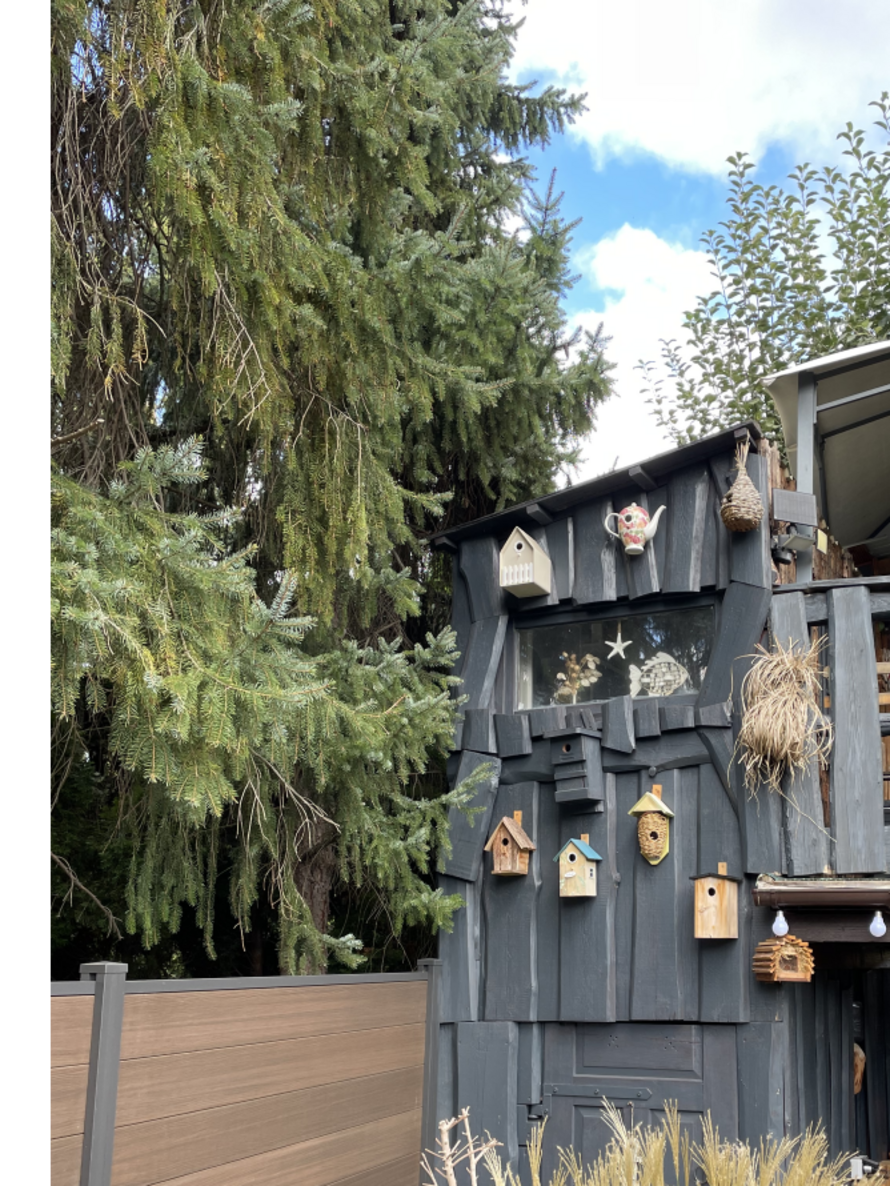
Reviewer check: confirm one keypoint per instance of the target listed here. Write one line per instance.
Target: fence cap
(88, 971)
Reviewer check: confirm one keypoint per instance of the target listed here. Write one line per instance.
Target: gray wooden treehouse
(602, 677)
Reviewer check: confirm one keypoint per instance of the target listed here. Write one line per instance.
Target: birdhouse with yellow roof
(525, 566)
(577, 868)
(510, 847)
(653, 825)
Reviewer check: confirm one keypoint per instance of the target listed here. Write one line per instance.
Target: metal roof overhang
(852, 440)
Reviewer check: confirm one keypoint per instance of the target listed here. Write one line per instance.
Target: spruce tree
(292, 335)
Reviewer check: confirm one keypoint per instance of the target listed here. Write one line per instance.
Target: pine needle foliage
(287, 229)
(198, 699)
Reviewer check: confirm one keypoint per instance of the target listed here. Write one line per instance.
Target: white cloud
(694, 80)
(649, 283)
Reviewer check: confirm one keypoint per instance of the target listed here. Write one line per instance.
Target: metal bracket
(591, 1091)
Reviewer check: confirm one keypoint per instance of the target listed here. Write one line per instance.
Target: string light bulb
(780, 924)
(877, 926)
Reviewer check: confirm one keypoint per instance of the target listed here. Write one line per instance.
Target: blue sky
(673, 89)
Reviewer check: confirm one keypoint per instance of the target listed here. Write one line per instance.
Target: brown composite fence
(284, 1081)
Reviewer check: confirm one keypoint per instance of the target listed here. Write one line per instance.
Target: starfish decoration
(618, 647)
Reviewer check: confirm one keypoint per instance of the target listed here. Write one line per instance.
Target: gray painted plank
(807, 841)
(509, 907)
(595, 556)
(715, 716)
(659, 498)
(547, 720)
(548, 938)
(479, 561)
(676, 716)
(760, 815)
(487, 1062)
(587, 968)
(641, 572)
(533, 767)
(718, 743)
(857, 807)
(668, 752)
(714, 530)
(530, 1063)
(459, 952)
(446, 1105)
(686, 518)
(478, 734)
(839, 1060)
(561, 545)
(721, 469)
(513, 735)
(768, 1002)
(719, 838)
(742, 618)
(720, 1077)
(820, 1046)
(627, 791)
(877, 1054)
(761, 1094)
(618, 724)
(845, 1073)
(481, 663)
(663, 915)
(461, 618)
(750, 559)
(646, 719)
(468, 836)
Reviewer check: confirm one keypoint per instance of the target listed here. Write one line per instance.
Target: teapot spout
(652, 525)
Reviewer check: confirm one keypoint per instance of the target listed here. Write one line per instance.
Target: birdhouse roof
(583, 847)
(650, 802)
(516, 833)
(716, 876)
(518, 533)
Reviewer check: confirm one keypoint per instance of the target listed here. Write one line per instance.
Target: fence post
(433, 969)
(105, 1053)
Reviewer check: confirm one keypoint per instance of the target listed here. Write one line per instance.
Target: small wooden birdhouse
(577, 868)
(653, 825)
(509, 847)
(787, 958)
(716, 905)
(525, 566)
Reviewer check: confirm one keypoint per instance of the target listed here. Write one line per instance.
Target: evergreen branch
(76, 883)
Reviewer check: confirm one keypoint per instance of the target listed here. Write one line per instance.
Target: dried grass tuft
(783, 728)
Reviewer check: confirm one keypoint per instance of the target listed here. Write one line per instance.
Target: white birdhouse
(525, 566)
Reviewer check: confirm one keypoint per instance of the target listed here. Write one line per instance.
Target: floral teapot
(635, 528)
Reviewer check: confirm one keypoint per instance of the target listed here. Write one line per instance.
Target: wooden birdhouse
(577, 868)
(653, 825)
(509, 847)
(787, 958)
(716, 905)
(525, 566)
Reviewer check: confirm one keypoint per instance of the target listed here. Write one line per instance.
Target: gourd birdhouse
(509, 847)
(653, 825)
(785, 958)
(577, 868)
(716, 905)
(525, 566)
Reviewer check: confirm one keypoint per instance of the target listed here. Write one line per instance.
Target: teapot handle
(611, 515)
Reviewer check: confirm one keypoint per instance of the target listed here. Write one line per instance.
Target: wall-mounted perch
(525, 566)
(716, 905)
(787, 958)
(577, 868)
(510, 846)
(653, 825)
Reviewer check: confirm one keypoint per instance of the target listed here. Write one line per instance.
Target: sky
(673, 89)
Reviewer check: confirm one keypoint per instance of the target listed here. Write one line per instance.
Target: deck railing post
(433, 969)
(105, 1053)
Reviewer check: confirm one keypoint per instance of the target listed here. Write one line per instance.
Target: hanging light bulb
(780, 925)
(877, 926)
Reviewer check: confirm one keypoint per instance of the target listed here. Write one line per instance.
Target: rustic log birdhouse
(716, 905)
(577, 868)
(525, 566)
(509, 847)
(653, 825)
(785, 958)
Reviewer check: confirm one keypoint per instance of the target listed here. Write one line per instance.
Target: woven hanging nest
(652, 828)
(742, 508)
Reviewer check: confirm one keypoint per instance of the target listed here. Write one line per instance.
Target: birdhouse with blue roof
(577, 868)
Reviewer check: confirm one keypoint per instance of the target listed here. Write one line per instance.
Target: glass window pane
(656, 654)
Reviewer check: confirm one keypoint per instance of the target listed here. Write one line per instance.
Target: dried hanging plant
(783, 728)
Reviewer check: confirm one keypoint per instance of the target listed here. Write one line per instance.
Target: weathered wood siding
(72, 1022)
